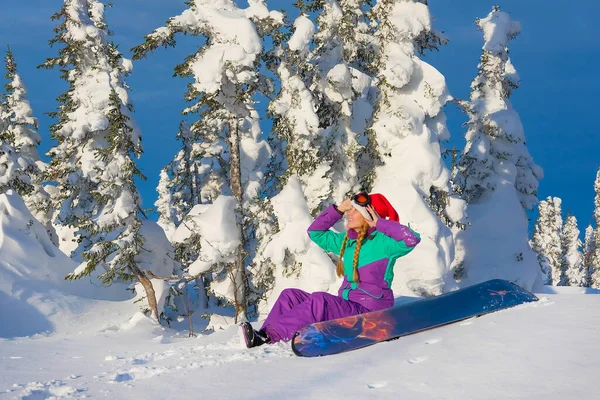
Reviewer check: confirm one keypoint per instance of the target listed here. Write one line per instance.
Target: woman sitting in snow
(374, 242)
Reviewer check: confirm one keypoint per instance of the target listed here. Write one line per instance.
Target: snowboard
(357, 331)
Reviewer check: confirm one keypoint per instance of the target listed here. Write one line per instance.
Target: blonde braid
(340, 265)
(361, 234)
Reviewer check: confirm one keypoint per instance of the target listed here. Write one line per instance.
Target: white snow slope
(62, 339)
(545, 350)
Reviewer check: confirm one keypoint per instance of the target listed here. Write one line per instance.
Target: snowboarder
(374, 242)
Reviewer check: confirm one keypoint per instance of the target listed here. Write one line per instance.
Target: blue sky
(556, 56)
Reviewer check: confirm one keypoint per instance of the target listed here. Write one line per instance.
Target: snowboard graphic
(349, 333)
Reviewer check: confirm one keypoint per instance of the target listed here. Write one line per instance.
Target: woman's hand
(345, 206)
(374, 215)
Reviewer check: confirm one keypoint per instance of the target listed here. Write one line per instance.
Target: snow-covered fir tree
(594, 265)
(588, 250)
(293, 111)
(407, 129)
(495, 138)
(93, 162)
(164, 203)
(20, 124)
(343, 93)
(548, 233)
(20, 130)
(572, 260)
(297, 146)
(496, 170)
(16, 171)
(546, 239)
(225, 80)
(12, 174)
(556, 248)
(177, 182)
(194, 176)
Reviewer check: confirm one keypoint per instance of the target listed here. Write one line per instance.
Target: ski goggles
(362, 199)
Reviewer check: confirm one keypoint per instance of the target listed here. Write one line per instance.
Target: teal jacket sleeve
(320, 233)
(401, 239)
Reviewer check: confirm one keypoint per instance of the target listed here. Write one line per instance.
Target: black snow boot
(252, 338)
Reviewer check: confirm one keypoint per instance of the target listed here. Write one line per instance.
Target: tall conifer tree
(495, 138)
(547, 241)
(20, 131)
(572, 260)
(496, 169)
(543, 235)
(594, 265)
(588, 249)
(93, 163)
(222, 95)
(340, 82)
(406, 132)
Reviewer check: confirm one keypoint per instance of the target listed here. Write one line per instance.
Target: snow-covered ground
(545, 350)
(61, 339)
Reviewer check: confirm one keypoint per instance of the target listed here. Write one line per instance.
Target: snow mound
(34, 296)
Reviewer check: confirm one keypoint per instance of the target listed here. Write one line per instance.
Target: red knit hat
(381, 205)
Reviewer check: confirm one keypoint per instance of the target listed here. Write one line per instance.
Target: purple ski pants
(296, 308)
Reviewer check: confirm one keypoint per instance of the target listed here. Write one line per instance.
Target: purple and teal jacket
(381, 247)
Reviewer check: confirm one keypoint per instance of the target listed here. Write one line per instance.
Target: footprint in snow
(123, 377)
(416, 360)
(50, 390)
(433, 341)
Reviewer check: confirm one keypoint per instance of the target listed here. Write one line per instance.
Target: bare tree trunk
(198, 199)
(147, 284)
(189, 313)
(192, 180)
(237, 275)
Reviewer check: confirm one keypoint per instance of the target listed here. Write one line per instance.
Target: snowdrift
(34, 296)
